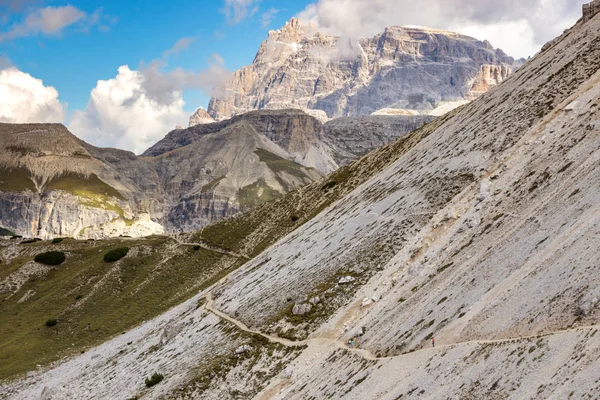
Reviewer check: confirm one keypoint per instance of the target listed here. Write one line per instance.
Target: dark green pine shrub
(51, 258)
(51, 322)
(155, 379)
(197, 247)
(116, 254)
(57, 240)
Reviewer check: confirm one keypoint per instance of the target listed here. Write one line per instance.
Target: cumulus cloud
(238, 10)
(267, 17)
(120, 114)
(26, 99)
(52, 21)
(137, 108)
(520, 27)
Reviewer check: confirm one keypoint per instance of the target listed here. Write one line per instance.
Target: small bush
(27, 241)
(51, 258)
(294, 218)
(155, 379)
(57, 240)
(329, 185)
(16, 237)
(51, 322)
(116, 254)
(196, 247)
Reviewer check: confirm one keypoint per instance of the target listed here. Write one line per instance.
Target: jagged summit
(406, 68)
(200, 117)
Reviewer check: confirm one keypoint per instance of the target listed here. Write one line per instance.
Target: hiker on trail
(351, 342)
(432, 342)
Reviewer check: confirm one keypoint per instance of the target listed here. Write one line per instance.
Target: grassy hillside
(90, 299)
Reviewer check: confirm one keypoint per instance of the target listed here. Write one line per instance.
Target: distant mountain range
(54, 184)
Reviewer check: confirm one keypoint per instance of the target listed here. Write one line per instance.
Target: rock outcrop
(200, 117)
(406, 68)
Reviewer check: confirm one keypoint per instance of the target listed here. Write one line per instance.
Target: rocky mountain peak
(200, 117)
(423, 70)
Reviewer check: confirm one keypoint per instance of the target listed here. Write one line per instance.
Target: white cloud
(26, 99)
(519, 27)
(267, 17)
(137, 108)
(237, 10)
(52, 21)
(120, 114)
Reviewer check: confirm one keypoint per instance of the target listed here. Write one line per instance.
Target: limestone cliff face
(404, 68)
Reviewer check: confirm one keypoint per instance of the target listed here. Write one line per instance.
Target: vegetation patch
(16, 180)
(116, 254)
(57, 240)
(6, 232)
(51, 258)
(29, 241)
(255, 194)
(83, 186)
(155, 379)
(281, 165)
(51, 322)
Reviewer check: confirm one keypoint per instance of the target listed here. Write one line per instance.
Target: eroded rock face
(200, 117)
(53, 184)
(404, 68)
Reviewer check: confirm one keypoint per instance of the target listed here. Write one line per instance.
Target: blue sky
(139, 31)
(124, 73)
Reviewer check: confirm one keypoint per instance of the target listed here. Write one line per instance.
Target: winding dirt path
(366, 354)
(212, 248)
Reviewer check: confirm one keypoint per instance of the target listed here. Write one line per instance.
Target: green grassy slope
(93, 300)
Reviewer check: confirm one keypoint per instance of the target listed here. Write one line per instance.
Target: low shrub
(57, 240)
(329, 185)
(155, 379)
(196, 247)
(16, 237)
(51, 322)
(51, 258)
(116, 254)
(294, 218)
